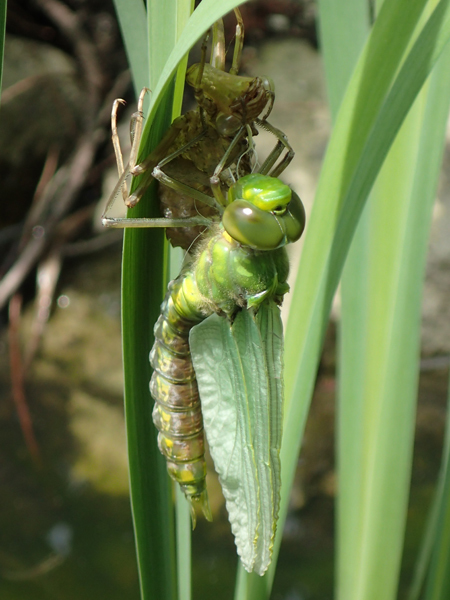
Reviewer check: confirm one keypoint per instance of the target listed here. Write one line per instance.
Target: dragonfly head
(263, 213)
(231, 100)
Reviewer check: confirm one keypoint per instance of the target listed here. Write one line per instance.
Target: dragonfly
(235, 225)
(204, 150)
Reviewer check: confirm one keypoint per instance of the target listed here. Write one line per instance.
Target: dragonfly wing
(271, 327)
(239, 374)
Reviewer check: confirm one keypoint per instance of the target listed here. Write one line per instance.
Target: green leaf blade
(133, 25)
(380, 350)
(144, 280)
(349, 171)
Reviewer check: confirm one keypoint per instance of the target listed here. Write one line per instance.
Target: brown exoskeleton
(205, 150)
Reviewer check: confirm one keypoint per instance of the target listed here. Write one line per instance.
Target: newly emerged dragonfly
(229, 289)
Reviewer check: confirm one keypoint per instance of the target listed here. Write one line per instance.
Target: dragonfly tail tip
(201, 500)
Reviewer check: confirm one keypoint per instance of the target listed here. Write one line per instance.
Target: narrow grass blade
(144, 269)
(364, 130)
(339, 65)
(149, 486)
(162, 38)
(380, 352)
(133, 25)
(144, 279)
(185, 9)
(385, 405)
(344, 30)
(183, 535)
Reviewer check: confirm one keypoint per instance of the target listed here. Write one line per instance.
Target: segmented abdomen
(177, 412)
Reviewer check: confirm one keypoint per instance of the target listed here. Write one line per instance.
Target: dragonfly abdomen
(177, 412)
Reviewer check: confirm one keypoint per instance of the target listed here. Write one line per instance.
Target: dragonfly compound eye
(263, 213)
(251, 226)
(294, 218)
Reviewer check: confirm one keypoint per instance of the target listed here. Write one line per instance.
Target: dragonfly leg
(144, 223)
(217, 47)
(159, 154)
(282, 145)
(136, 126)
(198, 90)
(215, 178)
(148, 164)
(181, 150)
(144, 168)
(178, 186)
(116, 144)
(238, 44)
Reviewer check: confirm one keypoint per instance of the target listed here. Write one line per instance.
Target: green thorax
(226, 276)
(242, 262)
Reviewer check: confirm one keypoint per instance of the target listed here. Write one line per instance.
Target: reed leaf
(381, 92)
(352, 24)
(132, 18)
(372, 501)
(144, 280)
(382, 354)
